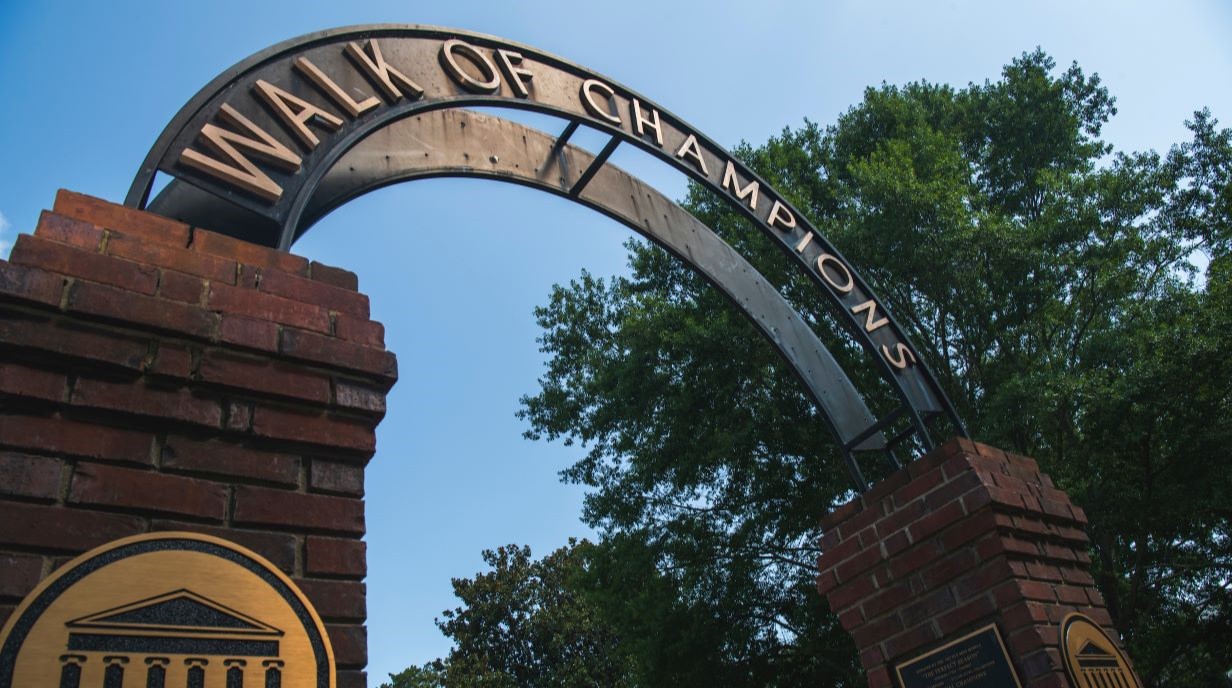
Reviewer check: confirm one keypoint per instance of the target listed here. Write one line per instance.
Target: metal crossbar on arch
(285, 136)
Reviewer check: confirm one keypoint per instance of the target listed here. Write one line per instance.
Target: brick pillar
(966, 536)
(159, 377)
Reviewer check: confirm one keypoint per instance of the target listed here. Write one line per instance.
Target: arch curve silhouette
(289, 134)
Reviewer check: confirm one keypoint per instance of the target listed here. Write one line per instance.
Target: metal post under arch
(264, 138)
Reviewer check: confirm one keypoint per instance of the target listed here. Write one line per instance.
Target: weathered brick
(58, 528)
(851, 619)
(982, 580)
(306, 290)
(909, 641)
(1031, 639)
(1041, 571)
(948, 567)
(263, 375)
(325, 556)
(830, 522)
(61, 436)
(245, 252)
(21, 283)
(255, 304)
(73, 340)
(862, 519)
(333, 352)
(248, 332)
(917, 487)
(835, 554)
(359, 397)
(342, 478)
(336, 600)
(161, 314)
(337, 277)
(172, 360)
(857, 563)
(909, 560)
(350, 645)
(871, 657)
(146, 491)
(359, 330)
(952, 489)
(886, 487)
(68, 230)
(19, 573)
(137, 398)
(896, 542)
(128, 220)
(36, 477)
(975, 500)
(1071, 595)
(230, 460)
(900, 518)
(32, 383)
(1017, 615)
(278, 548)
(174, 258)
(826, 581)
(966, 614)
(75, 262)
(970, 528)
(177, 286)
(851, 592)
(239, 416)
(927, 607)
(1076, 576)
(1056, 509)
(880, 678)
(248, 276)
(272, 507)
(877, 630)
(313, 428)
(888, 599)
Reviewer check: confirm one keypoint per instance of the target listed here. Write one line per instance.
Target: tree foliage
(524, 624)
(1075, 302)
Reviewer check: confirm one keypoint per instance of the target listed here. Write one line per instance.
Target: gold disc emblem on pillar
(1092, 660)
(166, 609)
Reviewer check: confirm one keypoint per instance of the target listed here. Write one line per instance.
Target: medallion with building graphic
(166, 610)
(1092, 660)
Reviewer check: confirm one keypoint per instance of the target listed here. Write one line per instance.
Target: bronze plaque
(1092, 660)
(976, 660)
(166, 609)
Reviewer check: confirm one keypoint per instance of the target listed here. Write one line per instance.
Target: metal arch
(554, 90)
(462, 143)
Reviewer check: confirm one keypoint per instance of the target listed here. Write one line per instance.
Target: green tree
(526, 624)
(1059, 288)
(426, 676)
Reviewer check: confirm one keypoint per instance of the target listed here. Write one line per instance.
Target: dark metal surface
(556, 87)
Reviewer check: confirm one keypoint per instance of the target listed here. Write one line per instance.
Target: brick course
(156, 377)
(966, 536)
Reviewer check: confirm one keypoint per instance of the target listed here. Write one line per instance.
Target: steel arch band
(254, 154)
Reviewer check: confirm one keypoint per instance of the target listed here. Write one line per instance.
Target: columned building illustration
(173, 640)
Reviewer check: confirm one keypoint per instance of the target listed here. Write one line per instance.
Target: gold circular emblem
(163, 610)
(1092, 660)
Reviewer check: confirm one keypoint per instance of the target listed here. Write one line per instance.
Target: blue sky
(454, 267)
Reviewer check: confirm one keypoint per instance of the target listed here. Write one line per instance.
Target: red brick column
(156, 377)
(966, 536)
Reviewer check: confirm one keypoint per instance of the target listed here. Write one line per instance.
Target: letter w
(241, 171)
